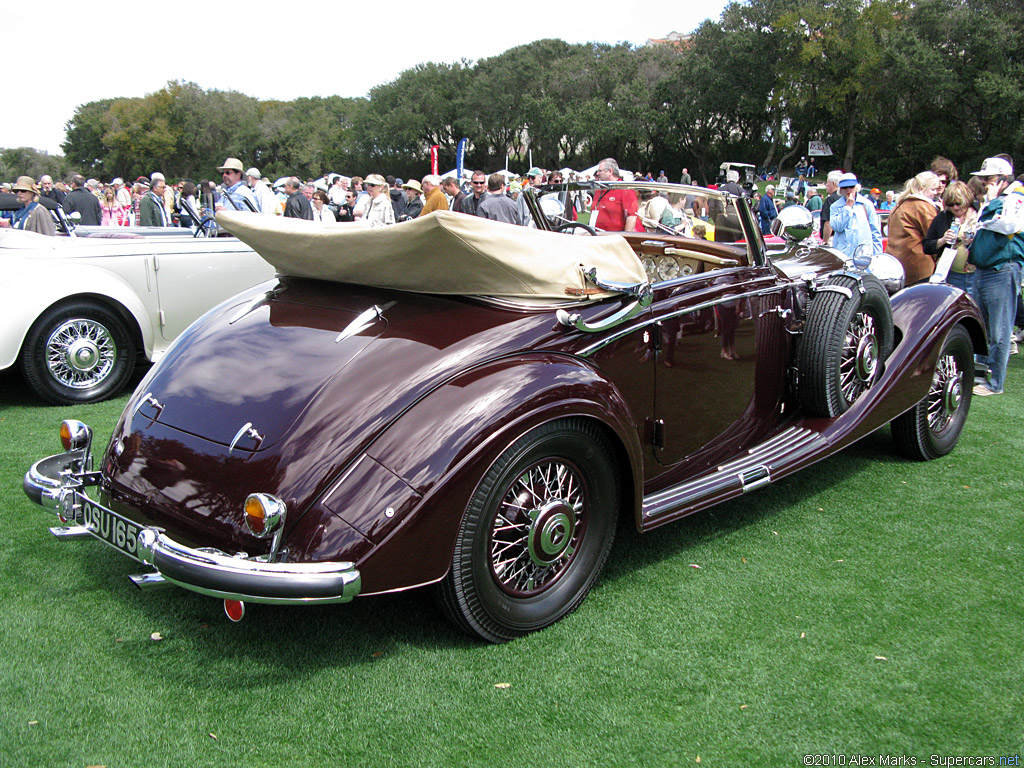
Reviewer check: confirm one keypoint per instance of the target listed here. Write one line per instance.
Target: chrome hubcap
(80, 353)
(858, 363)
(551, 534)
(538, 527)
(946, 393)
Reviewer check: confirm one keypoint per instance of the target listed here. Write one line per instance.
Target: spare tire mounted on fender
(846, 339)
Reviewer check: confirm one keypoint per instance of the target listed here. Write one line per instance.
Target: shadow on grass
(634, 551)
(285, 643)
(15, 392)
(272, 643)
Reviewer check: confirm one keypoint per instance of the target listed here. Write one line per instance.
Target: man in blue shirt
(997, 251)
(236, 195)
(853, 220)
(766, 210)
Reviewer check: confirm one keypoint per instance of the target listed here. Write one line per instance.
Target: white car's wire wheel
(78, 352)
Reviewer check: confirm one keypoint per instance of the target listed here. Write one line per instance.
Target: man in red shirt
(614, 210)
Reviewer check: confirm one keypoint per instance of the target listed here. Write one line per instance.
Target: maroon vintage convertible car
(471, 405)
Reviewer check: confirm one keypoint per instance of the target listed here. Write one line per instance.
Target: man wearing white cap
(124, 196)
(854, 220)
(266, 200)
(235, 196)
(998, 252)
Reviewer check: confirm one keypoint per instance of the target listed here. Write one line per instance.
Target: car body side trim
(613, 337)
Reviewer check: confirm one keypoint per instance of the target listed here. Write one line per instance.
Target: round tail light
(264, 513)
(74, 434)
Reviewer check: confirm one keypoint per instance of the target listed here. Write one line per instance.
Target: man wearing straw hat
(236, 196)
(31, 217)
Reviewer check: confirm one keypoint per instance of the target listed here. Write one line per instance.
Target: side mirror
(794, 223)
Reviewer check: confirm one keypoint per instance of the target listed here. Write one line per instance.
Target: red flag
(433, 159)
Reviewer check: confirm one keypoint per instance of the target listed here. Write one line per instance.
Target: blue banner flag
(460, 158)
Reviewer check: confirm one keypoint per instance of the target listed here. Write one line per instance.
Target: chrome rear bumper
(58, 484)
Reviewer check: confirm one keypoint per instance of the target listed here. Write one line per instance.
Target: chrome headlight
(794, 223)
(888, 269)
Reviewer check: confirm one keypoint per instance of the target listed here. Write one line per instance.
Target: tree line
(887, 84)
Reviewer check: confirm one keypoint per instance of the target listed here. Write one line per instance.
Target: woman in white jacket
(380, 212)
(322, 213)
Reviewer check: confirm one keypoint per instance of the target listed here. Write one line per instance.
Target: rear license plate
(108, 526)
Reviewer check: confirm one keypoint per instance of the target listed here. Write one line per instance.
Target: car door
(194, 275)
(720, 377)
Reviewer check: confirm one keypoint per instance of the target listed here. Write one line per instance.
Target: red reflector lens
(235, 609)
(256, 524)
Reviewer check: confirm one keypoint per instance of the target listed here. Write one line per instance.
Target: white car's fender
(38, 284)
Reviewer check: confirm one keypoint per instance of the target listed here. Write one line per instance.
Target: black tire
(844, 344)
(576, 225)
(536, 533)
(78, 352)
(932, 427)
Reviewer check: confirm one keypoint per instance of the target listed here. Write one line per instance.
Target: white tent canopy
(626, 175)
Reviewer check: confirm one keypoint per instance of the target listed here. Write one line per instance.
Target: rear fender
(36, 290)
(443, 445)
(924, 314)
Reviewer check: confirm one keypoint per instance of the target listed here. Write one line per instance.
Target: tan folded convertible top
(443, 252)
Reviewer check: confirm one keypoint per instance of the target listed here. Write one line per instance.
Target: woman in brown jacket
(908, 225)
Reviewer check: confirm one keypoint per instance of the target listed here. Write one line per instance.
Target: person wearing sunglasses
(379, 212)
(235, 194)
(470, 203)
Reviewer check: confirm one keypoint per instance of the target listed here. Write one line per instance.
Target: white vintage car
(77, 311)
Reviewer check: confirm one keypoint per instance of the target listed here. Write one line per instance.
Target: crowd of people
(152, 202)
(970, 234)
(941, 229)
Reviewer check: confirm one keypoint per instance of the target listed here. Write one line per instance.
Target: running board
(750, 471)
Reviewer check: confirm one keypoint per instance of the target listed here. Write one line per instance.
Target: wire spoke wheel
(858, 363)
(537, 528)
(847, 337)
(946, 393)
(932, 427)
(80, 353)
(536, 532)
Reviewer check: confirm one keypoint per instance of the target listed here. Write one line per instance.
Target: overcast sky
(71, 52)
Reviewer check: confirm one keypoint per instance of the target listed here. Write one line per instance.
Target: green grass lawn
(868, 605)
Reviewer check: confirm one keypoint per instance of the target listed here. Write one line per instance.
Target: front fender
(44, 283)
(923, 315)
(926, 311)
(443, 445)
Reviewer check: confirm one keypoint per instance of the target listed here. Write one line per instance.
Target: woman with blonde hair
(112, 213)
(908, 225)
(953, 226)
(380, 212)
